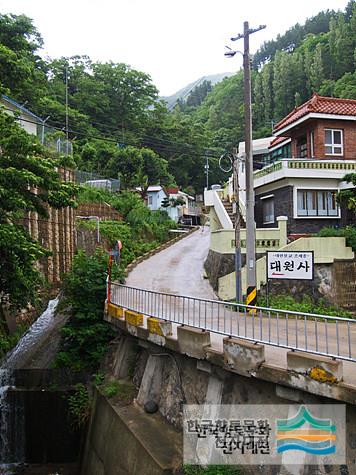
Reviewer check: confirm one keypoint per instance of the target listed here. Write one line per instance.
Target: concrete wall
(125, 440)
(187, 370)
(223, 240)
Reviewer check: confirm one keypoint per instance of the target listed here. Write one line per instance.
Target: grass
(305, 305)
(123, 390)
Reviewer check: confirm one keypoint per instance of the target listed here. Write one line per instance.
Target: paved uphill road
(177, 269)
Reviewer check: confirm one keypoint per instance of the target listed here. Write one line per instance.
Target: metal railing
(341, 165)
(94, 180)
(313, 333)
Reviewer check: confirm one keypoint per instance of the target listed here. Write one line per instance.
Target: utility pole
(251, 294)
(236, 187)
(207, 170)
(67, 120)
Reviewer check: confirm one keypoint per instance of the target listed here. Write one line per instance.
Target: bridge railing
(313, 333)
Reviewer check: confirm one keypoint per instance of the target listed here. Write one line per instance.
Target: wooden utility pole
(251, 294)
(236, 187)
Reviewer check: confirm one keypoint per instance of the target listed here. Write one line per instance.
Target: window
(333, 142)
(268, 210)
(302, 147)
(150, 199)
(317, 203)
(312, 144)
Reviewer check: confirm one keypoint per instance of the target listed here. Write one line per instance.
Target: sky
(174, 41)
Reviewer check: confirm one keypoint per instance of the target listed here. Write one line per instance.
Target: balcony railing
(307, 164)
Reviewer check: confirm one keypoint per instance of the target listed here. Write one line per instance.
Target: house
(313, 149)
(29, 121)
(296, 188)
(155, 195)
(182, 207)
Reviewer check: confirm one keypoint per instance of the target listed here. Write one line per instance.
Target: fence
(97, 181)
(319, 334)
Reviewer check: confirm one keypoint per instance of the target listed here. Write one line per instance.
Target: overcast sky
(174, 41)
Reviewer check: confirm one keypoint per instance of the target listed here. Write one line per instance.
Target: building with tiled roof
(313, 149)
(318, 107)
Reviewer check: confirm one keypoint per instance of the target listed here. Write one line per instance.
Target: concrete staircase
(229, 209)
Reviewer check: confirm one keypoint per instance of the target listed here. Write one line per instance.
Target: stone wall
(218, 265)
(103, 210)
(335, 283)
(55, 233)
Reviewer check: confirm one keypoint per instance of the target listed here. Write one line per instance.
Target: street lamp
(251, 293)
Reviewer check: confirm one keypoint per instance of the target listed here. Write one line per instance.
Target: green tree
(348, 196)
(139, 168)
(22, 70)
(165, 203)
(24, 167)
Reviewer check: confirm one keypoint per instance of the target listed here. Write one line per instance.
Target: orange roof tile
(321, 105)
(277, 141)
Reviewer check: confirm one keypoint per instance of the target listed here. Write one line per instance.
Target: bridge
(183, 349)
(324, 346)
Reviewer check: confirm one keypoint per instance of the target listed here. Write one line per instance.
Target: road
(178, 270)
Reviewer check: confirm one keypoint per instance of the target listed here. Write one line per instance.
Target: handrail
(314, 333)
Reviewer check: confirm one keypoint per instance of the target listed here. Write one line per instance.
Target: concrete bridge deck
(178, 270)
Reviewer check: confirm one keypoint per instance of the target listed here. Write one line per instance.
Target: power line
(169, 146)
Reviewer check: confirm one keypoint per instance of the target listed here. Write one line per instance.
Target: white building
(28, 121)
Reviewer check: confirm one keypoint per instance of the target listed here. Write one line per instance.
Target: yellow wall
(326, 250)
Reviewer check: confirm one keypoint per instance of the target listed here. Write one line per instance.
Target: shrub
(349, 232)
(306, 305)
(79, 405)
(85, 336)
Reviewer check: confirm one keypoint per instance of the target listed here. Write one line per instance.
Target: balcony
(307, 168)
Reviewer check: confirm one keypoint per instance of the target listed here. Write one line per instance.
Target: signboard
(290, 265)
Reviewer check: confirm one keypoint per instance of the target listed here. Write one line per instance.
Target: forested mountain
(184, 94)
(119, 126)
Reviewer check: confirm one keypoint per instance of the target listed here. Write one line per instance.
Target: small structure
(183, 207)
(155, 195)
(27, 119)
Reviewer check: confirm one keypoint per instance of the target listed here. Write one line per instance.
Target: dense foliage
(348, 232)
(120, 126)
(85, 336)
(348, 197)
(24, 165)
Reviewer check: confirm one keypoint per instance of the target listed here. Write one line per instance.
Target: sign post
(289, 265)
(114, 255)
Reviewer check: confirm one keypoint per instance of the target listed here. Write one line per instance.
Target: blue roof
(20, 107)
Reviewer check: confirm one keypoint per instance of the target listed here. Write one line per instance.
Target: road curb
(156, 250)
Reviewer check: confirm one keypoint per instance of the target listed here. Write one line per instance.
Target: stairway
(229, 209)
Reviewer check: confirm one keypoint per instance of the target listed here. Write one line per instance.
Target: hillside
(116, 132)
(183, 93)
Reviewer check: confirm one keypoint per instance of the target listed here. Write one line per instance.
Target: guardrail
(341, 165)
(313, 333)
